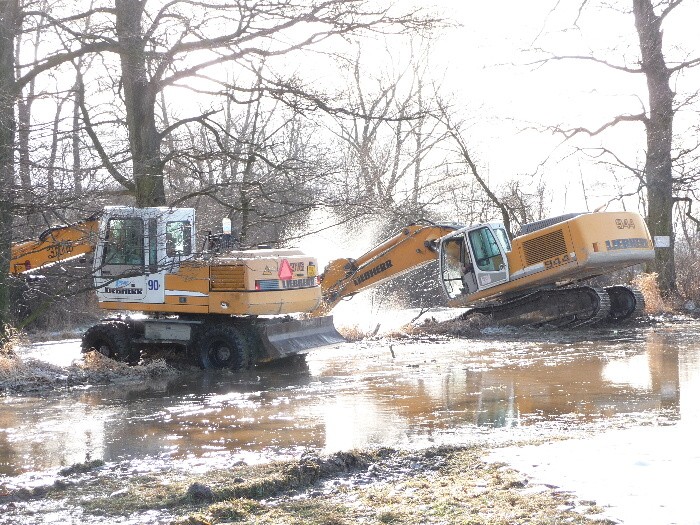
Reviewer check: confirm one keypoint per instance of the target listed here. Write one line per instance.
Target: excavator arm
(411, 248)
(57, 244)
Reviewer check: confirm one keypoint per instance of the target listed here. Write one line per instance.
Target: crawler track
(566, 307)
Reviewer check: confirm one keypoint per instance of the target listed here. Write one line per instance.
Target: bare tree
(9, 12)
(182, 45)
(388, 143)
(14, 21)
(524, 205)
(657, 174)
(465, 154)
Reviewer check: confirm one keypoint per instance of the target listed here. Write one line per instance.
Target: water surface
(396, 393)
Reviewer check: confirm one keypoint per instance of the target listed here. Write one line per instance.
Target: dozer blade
(290, 337)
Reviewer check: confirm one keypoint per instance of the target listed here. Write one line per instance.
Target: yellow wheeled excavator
(531, 279)
(227, 307)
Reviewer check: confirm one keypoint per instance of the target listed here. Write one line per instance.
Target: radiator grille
(544, 247)
(227, 278)
(267, 284)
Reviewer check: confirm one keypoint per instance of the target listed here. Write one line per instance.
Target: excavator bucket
(298, 336)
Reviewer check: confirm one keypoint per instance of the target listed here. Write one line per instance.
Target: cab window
(152, 245)
(487, 254)
(124, 242)
(178, 238)
(452, 256)
(502, 236)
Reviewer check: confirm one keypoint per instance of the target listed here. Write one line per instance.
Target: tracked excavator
(533, 279)
(227, 307)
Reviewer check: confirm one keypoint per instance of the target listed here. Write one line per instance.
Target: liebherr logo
(371, 273)
(124, 291)
(123, 287)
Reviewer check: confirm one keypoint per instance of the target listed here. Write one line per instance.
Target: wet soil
(433, 486)
(389, 430)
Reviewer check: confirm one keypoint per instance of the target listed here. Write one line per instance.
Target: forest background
(331, 124)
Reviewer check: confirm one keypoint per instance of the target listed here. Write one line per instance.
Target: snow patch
(639, 475)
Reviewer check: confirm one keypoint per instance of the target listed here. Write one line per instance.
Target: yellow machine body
(582, 247)
(145, 261)
(243, 283)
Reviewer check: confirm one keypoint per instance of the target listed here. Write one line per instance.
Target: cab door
(170, 240)
(454, 254)
(120, 263)
(490, 263)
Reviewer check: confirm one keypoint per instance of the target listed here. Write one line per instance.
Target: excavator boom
(55, 245)
(411, 248)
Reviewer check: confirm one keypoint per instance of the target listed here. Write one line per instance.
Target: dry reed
(648, 284)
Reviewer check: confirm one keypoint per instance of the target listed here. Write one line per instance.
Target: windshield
(487, 254)
(502, 236)
(124, 242)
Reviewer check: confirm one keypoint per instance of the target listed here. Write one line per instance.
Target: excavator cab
(137, 248)
(473, 259)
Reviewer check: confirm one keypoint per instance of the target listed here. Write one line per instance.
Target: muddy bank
(31, 375)
(433, 486)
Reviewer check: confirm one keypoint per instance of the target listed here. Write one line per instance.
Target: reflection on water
(359, 395)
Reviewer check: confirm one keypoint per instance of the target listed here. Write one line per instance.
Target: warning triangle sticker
(285, 272)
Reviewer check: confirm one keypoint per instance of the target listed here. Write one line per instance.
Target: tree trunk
(53, 152)
(140, 101)
(24, 121)
(8, 16)
(659, 127)
(24, 116)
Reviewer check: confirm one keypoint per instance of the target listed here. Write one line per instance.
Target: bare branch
(670, 7)
(585, 58)
(570, 133)
(111, 168)
(199, 118)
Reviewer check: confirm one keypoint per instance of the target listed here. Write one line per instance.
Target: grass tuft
(82, 468)
(10, 338)
(355, 333)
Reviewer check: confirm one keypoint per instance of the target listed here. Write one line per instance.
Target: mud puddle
(505, 386)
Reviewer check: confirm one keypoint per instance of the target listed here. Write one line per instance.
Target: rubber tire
(112, 339)
(222, 346)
